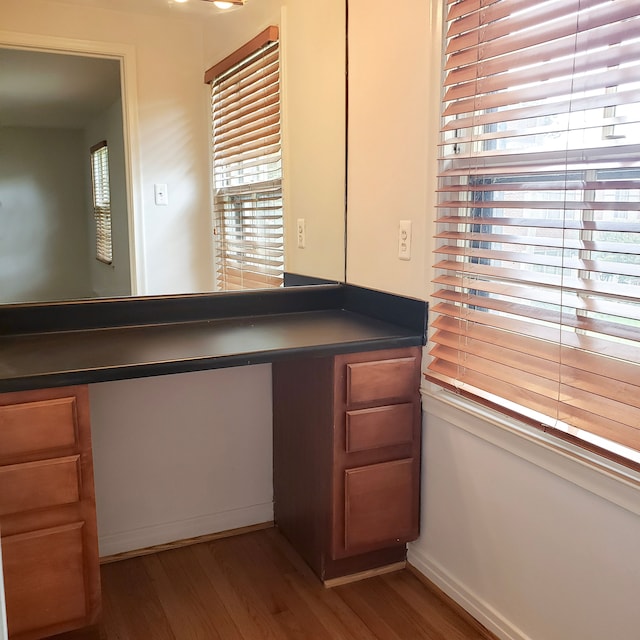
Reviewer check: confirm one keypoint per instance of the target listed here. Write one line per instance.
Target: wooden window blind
(101, 201)
(537, 303)
(247, 167)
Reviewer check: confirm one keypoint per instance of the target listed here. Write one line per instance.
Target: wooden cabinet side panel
(302, 445)
(88, 508)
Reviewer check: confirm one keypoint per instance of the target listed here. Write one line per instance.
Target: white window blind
(247, 168)
(101, 201)
(537, 307)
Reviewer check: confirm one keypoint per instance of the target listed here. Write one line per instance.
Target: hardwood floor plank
(268, 578)
(193, 608)
(248, 613)
(256, 587)
(444, 621)
(131, 607)
(359, 597)
(340, 621)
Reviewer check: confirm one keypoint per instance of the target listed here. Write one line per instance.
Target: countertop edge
(110, 374)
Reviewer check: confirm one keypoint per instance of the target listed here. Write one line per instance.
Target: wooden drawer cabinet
(381, 380)
(347, 458)
(379, 427)
(47, 512)
(28, 428)
(39, 485)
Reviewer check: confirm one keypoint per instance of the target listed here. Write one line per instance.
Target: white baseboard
(124, 541)
(469, 601)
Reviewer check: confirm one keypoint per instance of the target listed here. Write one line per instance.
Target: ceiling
(159, 7)
(40, 89)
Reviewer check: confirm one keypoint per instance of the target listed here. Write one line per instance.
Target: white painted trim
(471, 602)
(126, 54)
(606, 479)
(288, 242)
(153, 535)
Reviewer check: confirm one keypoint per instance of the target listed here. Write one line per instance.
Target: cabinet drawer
(379, 427)
(34, 485)
(39, 566)
(380, 504)
(381, 380)
(37, 426)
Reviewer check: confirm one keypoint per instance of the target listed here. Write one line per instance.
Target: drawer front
(44, 579)
(381, 505)
(37, 426)
(381, 380)
(379, 427)
(41, 484)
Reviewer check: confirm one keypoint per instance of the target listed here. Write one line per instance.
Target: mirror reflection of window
(247, 166)
(102, 201)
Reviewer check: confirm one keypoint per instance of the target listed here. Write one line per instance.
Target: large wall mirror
(76, 72)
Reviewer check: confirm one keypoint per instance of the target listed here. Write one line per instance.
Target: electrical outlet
(301, 231)
(404, 240)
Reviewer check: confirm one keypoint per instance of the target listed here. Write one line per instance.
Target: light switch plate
(161, 194)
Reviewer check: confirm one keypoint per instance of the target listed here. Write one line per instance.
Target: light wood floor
(255, 587)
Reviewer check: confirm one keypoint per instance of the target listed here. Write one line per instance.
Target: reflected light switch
(161, 193)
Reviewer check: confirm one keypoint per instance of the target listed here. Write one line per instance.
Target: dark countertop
(56, 358)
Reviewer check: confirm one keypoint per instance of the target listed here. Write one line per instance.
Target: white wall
(181, 456)
(388, 180)
(314, 119)
(532, 541)
(43, 224)
(536, 543)
(110, 279)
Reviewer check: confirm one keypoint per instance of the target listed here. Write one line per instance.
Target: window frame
(601, 448)
(248, 208)
(101, 193)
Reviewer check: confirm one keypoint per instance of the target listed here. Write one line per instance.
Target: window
(247, 166)
(537, 307)
(101, 201)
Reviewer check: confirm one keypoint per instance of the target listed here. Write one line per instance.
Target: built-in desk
(346, 417)
(95, 341)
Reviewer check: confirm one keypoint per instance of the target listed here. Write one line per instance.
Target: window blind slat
(571, 355)
(630, 248)
(544, 91)
(545, 109)
(604, 36)
(484, 45)
(629, 52)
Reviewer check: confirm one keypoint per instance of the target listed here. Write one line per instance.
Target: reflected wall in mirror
(161, 50)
